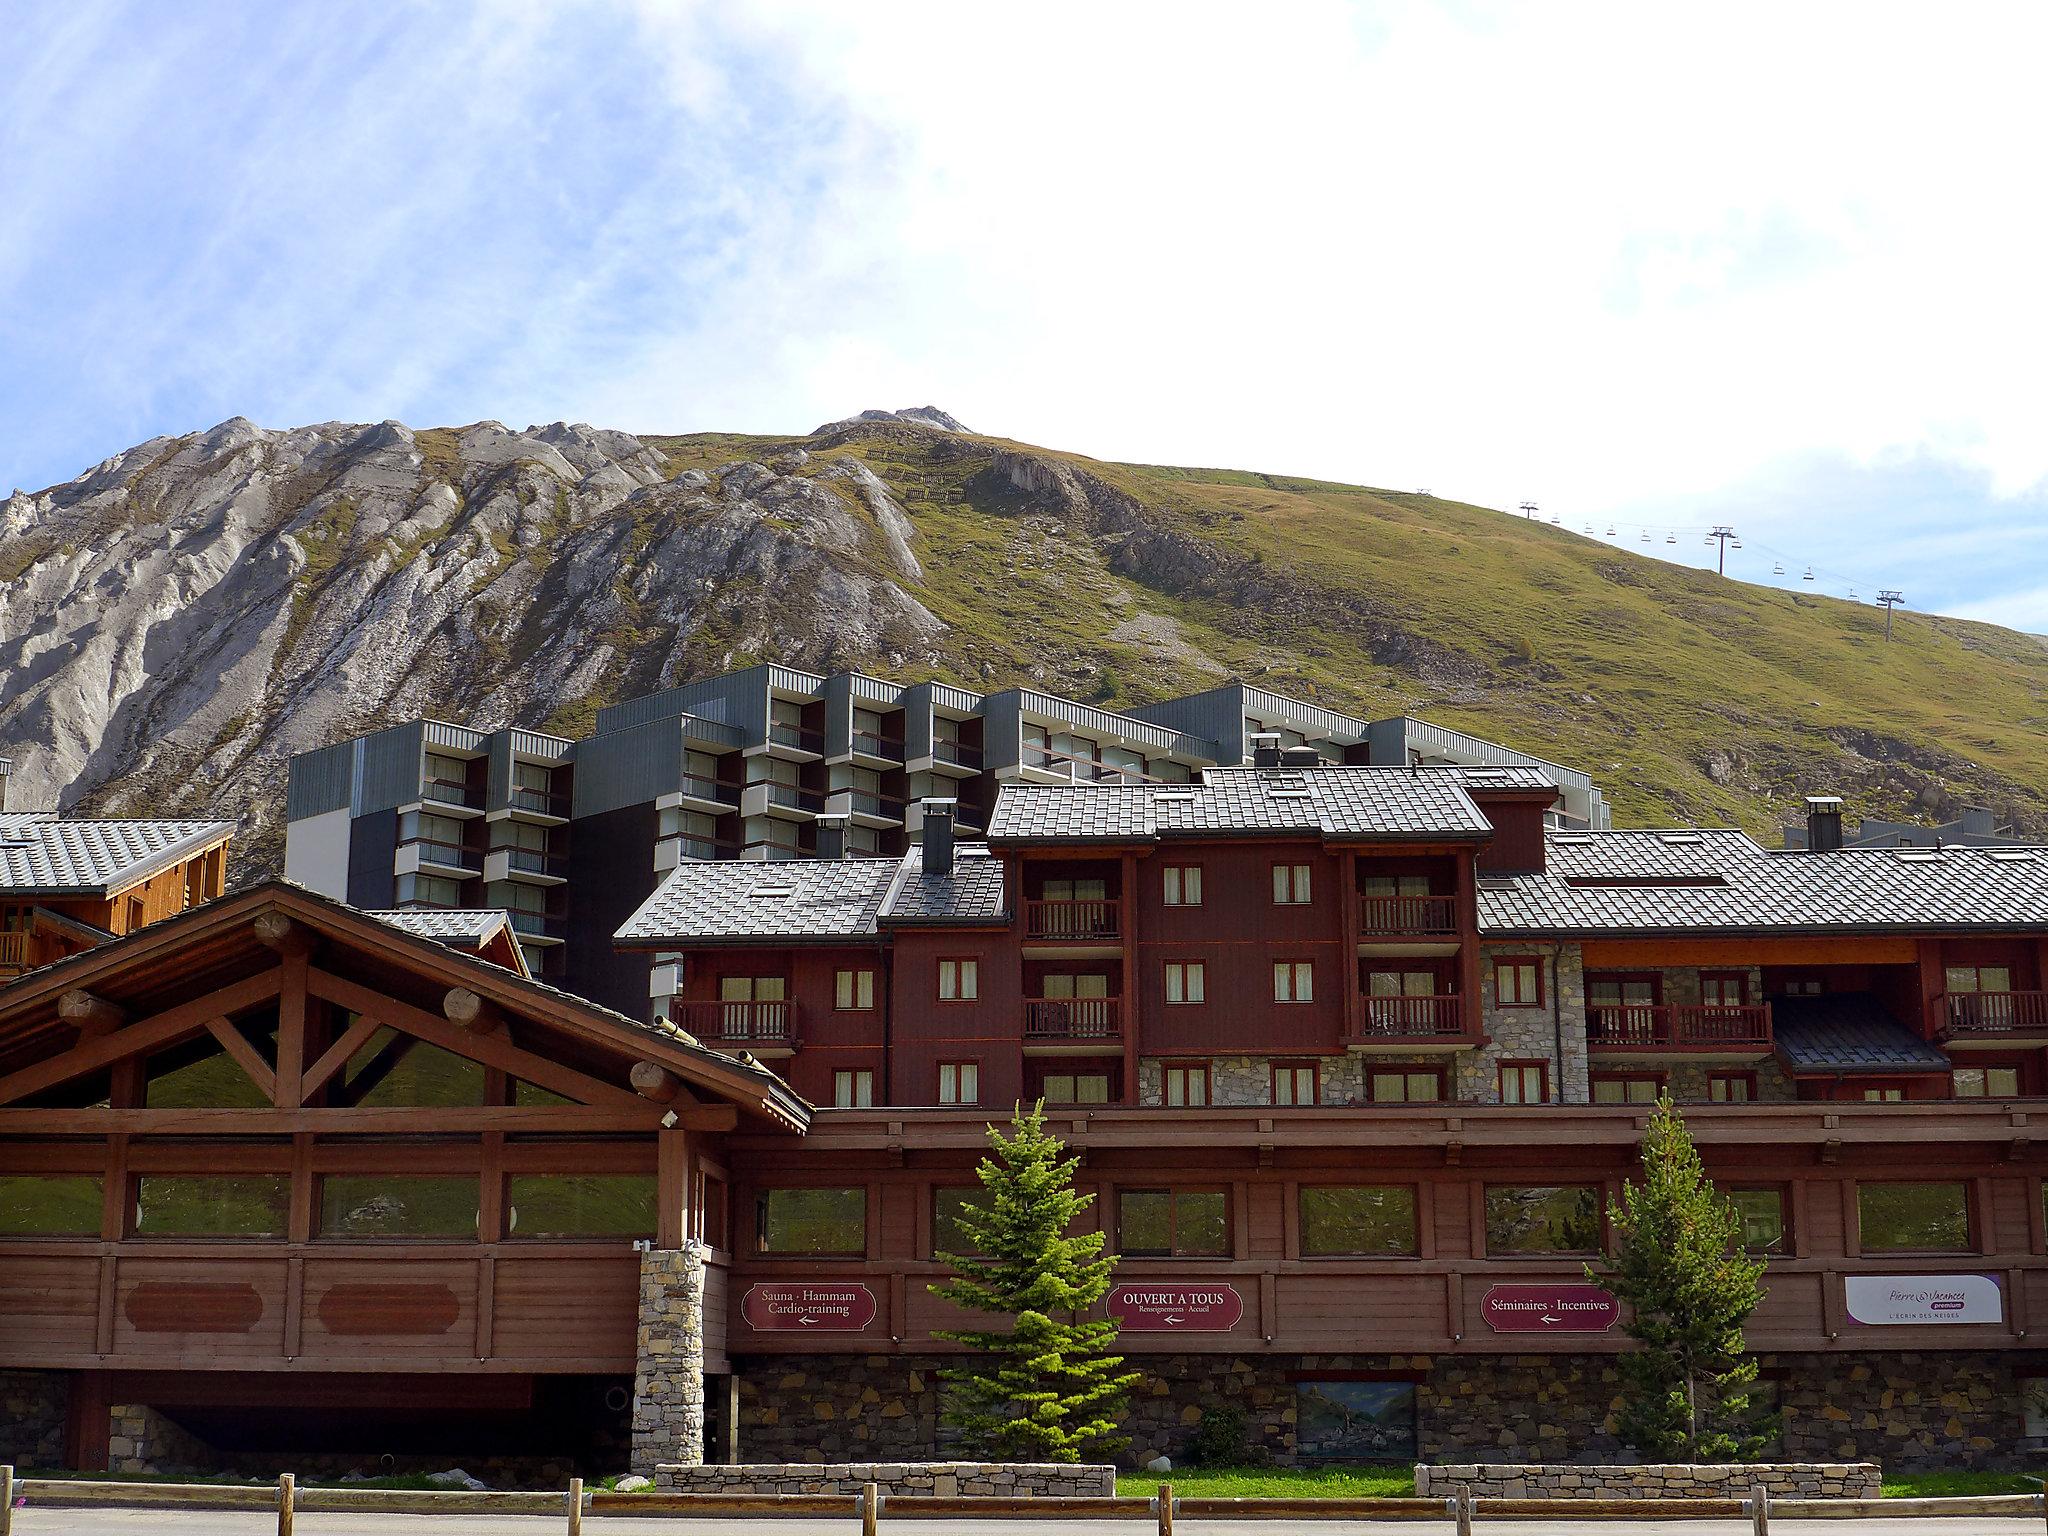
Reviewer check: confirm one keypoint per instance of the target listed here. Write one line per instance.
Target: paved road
(136, 1522)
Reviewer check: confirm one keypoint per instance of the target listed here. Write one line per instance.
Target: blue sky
(1783, 272)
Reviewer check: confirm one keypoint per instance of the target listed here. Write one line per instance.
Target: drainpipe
(1557, 1014)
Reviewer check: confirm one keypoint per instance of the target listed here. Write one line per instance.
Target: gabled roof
(971, 894)
(1848, 1033)
(1339, 804)
(46, 855)
(1691, 881)
(476, 929)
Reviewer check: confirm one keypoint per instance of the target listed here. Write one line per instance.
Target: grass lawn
(1397, 1482)
(1934, 1485)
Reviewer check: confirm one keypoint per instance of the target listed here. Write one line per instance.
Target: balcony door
(753, 1006)
(1391, 1001)
(1980, 996)
(1622, 1009)
(1083, 998)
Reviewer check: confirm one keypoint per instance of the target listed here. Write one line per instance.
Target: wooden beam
(708, 1117)
(655, 1082)
(447, 1120)
(379, 1067)
(276, 931)
(94, 1016)
(464, 1007)
(336, 1056)
(246, 1056)
(291, 1034)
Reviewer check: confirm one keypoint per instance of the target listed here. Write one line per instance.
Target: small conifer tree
(1050, 1388)
(1679, 1264)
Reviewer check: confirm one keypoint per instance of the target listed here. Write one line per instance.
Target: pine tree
(1050, 1388)
(1680, 1265)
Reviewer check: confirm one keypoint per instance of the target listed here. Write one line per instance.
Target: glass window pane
(1355, 1420)
(212, 1205)
(580, 1205)
(393, 1071)
(1542, 1218)
(1919, 1217)
(1092, 1088)
(1763, 1219)
(398, 1205)
(948, 1235)
(813, 1221)
(1145, 1222)
(1357, 1219)
(50, 1204)
(1201, 1224)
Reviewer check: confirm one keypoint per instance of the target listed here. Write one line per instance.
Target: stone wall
(1905, 1411)
(838, 1408)
(944, 1479)
(33, 1408)
(142, 1440)
(1524, 1480)
(1530, 1034)
(668, 1385)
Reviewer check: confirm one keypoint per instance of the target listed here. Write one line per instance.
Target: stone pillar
(668, 1382)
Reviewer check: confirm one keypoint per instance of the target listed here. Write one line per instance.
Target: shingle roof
(1340, 803)
(1720, 881)
(973, 893)
(1848, 1032)
(451, 925)
(59, 856)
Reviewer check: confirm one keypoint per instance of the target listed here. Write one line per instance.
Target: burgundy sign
(820, 1307)
(1549, 1309)
(1141, 1308)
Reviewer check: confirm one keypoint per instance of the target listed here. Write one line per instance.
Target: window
(853, 1090)
(1524, 1082)
(959, 981)
(1804, 986)
(1075, 1088)
(1405, 1085)
(212, 1204)
(1891, 1094)
(398, 1205)
(1518, 982)
(1291, 885)
(1913, 1218)
(949, 1234)
(1341, 1420)
(753, 1005)
(1987, 1082)
(1388, 1002)
(1724, 989)
(1173, 1223)
(1186, 1085)
(1353, 1219)
(1763, 1219)
(394, 1071)
(1186, 982)
(1626, 1087)
(814, 1223)
(959, 1082)
(50, 1204)
(1183, 885)
(1294, 1082)
(1294, 981)
(1731, 1087)
(853, 990)
(544, 1205)
(710, 1216)
(1542, 1219)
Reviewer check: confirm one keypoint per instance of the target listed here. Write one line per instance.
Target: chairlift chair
(1778, 569)
(1646, 535)
(1809, 574)
(1670, 538)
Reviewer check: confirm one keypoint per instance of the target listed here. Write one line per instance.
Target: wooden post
(287, 1491)
(1759, 1510)
(575, 1506)
(870, 1508)
(6, 1499)
(1461, 1510)
(1166, 1509)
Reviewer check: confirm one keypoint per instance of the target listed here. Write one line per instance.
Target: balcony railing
(1073, 921)
(1085, 770)
(868, 803)
(794, 797)
(453, 792)
(1678, 1026)
(13, 950)
(1994, 1013)
(1439, 1017)
(738, 1023)
(534, 861)
(542, 802)
(706, 847)
(700, 788)
(1405, 916)
(448, 855)
(796, 736)
(538, 924)
(868, 744)
(959, 753)
(1072, 1018)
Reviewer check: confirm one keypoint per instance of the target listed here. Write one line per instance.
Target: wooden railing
(1440, 1017)
(738, 1023)
(1072, 1018)
(1402, 915)
(1077, 921)
(13, 950)
(1678, 1026)
(1993, 1013)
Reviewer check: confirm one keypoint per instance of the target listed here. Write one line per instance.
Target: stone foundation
(945, 1479)
(33, 1408)
(1784, 1480)
(839, 1408)
(668, 1388)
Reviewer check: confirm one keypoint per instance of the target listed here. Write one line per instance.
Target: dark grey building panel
(388, 773)
(320, 781)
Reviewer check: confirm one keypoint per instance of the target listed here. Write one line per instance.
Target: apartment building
(768, 763)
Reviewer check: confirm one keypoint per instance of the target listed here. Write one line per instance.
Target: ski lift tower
(1528, 510)
(1888, 597)
(1721, 535)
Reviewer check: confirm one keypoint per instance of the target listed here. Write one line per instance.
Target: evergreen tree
(1050, 1388)
(1679, 1264)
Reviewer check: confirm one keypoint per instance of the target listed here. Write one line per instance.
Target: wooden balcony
(1411, 1023)
(1992, 1016)
(1073, 922)
(13, 951)
(764, 1028)
(1679, 1027)
(1073, 1021)
(1433, 917)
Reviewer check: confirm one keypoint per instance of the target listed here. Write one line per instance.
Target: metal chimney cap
(1824, 803)
(938, 802)
(832, 818)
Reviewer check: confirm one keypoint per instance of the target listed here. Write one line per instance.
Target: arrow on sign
(1169, 1318)
(808, 1322)
(1549, 1318)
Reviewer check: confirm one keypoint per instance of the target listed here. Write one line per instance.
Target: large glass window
(542, 1205)
(398, 1205)
(1357, 1219)
(212, 1204)
(1987, 1082)
(1173, 1223)
(50, 1204)
(1405, 1085)
(1763, 1219)
(948, 1235)
(1355, 1420)
(394, 1071)
(818, 1222)
(1931, 1217)
(1542, 1218)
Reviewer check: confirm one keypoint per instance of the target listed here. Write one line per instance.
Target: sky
(1783, 268)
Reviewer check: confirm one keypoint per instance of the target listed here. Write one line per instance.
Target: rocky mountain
(179, 619)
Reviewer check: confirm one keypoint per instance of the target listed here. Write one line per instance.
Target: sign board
(1889, 1300)
(1167, 1308)
(824, 1306)
(1559, 1308)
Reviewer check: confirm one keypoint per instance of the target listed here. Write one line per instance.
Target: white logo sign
(1886, 1299)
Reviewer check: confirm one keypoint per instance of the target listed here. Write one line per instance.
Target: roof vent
(1173, 797)
(2014, 855)
(767, 890)
(1680, 839)
(1919, 855)
(1265, 749)
(1300, 757)
(935, 836)
(1572, 839)
(1823, 823)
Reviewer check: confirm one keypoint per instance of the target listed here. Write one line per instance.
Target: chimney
(1823, 823)
(1265, 749)
(935, 834)
(1300, 757)
(832, 834)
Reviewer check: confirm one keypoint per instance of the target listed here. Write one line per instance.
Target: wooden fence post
(1760, 1510)
(870, 1508)
(6, 1500)
(1462, 1510)
(575, 1506)
(287, 1496)
(1165, 1502)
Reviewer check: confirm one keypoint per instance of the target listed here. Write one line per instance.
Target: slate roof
(973, 893)
(450, 925)
(1342, 804)
(1721, 881)
(1848, 1032)
(47, 855)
